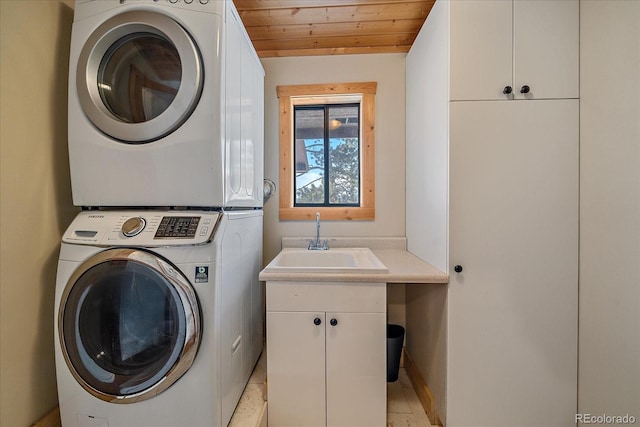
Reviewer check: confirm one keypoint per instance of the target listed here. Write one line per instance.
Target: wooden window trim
(366, 210)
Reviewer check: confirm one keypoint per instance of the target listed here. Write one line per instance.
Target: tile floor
(251, 408)
(403, 407)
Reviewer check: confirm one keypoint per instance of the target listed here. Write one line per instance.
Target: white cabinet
(296, 369)
(326, 354)
(513, 213)
(517, 44)
(492, 186)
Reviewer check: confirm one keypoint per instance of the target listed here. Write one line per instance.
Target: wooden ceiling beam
(331, 42)
(293, 4)
(333, 51)
(311, 15)
(271, 32)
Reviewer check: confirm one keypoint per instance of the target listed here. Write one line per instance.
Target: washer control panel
(142, 228)
(177, 227)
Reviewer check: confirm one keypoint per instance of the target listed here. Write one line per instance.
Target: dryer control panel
(143, 228)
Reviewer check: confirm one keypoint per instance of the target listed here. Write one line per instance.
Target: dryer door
(139, 76)
(129, 325)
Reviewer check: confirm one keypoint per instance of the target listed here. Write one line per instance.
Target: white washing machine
(166, 105)
(158, 317)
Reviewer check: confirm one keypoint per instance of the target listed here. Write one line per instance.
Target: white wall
(427, 146)
(35, 199)
(427, 216)
(609, 334)
(388, 71)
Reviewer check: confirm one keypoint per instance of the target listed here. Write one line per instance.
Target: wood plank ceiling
(332, 27)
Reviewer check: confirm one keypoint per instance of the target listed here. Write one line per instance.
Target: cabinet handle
(525, 89)
(317, 321)
(457, 269)
(507, 90)
(333, 322)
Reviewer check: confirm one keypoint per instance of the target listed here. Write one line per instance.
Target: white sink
(334, 261)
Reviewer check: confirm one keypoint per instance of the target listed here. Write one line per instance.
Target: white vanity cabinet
(326, 354)
(517, 44)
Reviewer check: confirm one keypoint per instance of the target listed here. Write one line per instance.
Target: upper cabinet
(522, 49)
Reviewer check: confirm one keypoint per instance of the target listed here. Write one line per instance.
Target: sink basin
(334, 261)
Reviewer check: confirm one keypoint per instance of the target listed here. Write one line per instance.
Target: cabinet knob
(457, 269)
(507, 90)
(333, 322)
(317, 321)
(525, 89)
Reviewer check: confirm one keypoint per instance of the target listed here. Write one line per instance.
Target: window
(327, 155)
(327, 151)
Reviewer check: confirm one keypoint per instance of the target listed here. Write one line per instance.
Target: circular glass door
(129, 325)
(139, 77)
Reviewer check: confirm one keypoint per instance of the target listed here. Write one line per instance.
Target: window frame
(287, 95)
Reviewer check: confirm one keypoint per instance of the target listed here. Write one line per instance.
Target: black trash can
(395, 338)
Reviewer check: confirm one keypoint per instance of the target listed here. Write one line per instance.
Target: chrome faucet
(318, 245)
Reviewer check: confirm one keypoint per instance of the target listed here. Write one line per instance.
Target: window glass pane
(309, 154)
(344, 155)
(327, 155)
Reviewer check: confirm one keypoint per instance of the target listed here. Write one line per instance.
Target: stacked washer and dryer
(158, 314)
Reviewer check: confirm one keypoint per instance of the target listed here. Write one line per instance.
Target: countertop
(405, 267)
(402, 265)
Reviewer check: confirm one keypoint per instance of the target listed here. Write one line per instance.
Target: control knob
(133, 226)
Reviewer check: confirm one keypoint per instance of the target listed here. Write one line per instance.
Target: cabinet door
(514, 229)
(296, 367)
(481, 49)
(546, 45)
(503, 43)
(356, 370)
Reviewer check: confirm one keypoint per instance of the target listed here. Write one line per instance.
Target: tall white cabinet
(492, 198)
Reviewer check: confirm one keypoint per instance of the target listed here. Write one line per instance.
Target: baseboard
(422, 390)
(52, 419)
(262, 420)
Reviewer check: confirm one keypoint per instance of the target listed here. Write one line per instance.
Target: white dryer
(166, 105)
(158, 317)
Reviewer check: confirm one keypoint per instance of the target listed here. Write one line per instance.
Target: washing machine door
(129, 325)
(139, 76)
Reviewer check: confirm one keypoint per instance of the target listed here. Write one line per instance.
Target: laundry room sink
(332, 261)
